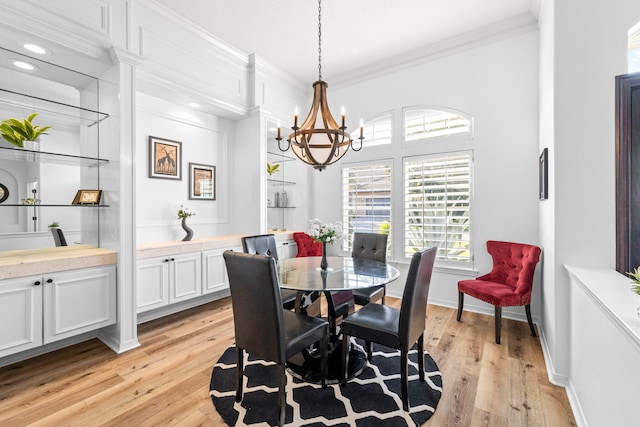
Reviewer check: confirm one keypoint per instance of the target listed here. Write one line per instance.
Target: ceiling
(356, 34)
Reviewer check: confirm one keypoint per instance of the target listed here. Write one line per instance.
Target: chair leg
(384, 294)
(282, 400)
(323, 361)
(239, 372)
(498, 323)
(421, 357)
(368, 346)
(404, 374)
(345, 359)
(527, 308)
(460, 304)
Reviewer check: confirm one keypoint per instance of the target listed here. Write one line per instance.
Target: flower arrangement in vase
(324, 233)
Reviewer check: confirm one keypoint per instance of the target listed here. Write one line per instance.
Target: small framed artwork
(543, 175)
(87, 197)
(202, 182)
(165, 158)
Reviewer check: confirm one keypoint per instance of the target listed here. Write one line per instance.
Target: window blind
(366, 201)
(437, 198)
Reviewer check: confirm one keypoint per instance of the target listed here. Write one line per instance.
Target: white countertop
(30, 262)
(612, 292)
(158, 249)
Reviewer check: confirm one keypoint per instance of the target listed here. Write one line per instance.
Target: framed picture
(543, 175)
(202, 182)
(165, 158)
(87, 197)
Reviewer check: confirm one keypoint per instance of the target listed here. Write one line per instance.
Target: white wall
(205, 140)
(498, 85)
(582, 50)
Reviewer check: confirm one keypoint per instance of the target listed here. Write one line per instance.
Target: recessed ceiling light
(194, 105)
(24, 65)
(35, 48)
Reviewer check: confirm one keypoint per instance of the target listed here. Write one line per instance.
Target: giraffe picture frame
(165, 158)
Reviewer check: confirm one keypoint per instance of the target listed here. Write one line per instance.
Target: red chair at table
(509, 283)
(306, 245)
(339, 303)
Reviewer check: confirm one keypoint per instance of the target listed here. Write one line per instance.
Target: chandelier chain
(319, 39)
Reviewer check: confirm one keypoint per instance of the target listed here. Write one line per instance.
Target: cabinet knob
(173, 259)
(167, 260)
(49, 280)
(37, 283)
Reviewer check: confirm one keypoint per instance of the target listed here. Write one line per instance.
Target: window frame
(467, 135)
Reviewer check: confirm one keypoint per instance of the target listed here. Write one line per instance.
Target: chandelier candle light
(319, 141)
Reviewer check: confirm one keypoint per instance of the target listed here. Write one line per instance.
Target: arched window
(423, 122)
(377, 131)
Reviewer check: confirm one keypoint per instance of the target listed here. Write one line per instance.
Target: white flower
(325, 233)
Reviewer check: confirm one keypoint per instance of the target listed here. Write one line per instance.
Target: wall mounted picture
(165, 158)
(202, 182)
(87, 197)
(543, 175)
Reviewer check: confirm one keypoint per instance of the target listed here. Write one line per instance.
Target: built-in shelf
(281, 157)
(47, 108)
(280, 182)
(10, 153)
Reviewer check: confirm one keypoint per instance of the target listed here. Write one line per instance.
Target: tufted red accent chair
(508, 284)
(306, 245)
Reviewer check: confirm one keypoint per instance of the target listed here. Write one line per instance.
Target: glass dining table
(343, 274)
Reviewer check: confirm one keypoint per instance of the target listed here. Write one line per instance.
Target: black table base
(305, 365)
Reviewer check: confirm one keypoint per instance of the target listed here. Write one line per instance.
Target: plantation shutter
(437, 192)
(366, 201)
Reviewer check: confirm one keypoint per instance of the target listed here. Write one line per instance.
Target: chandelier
(319, 141)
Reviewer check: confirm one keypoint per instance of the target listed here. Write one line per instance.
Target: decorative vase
(187, 229)
(323, 263)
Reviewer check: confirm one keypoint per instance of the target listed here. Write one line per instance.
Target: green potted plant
(17, 132)
(271, 169)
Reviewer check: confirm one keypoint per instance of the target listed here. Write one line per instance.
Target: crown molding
(502, 30)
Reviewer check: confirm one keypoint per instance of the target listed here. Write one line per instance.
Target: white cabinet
(38, 310)
(78, 301)
(167, 280)
(214, 271)
(20, 314)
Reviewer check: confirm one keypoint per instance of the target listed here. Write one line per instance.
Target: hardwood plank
(166, 380)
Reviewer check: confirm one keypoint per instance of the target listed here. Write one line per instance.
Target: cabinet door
(214, 272)
(78, 301)
(153, 283)
(20, 314)
(186, 277)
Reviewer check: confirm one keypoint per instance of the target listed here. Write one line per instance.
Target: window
(421, 123)
(378, 130)
(366, 201)
(437, 198)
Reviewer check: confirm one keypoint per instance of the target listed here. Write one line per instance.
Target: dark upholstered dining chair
(262, 327)
(509, 283)
(394, 328)
(371, 246)
(265, 244)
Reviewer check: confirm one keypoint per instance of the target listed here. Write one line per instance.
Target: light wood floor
(166, 380)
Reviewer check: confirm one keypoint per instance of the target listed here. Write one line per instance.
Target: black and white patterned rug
(371, 399)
